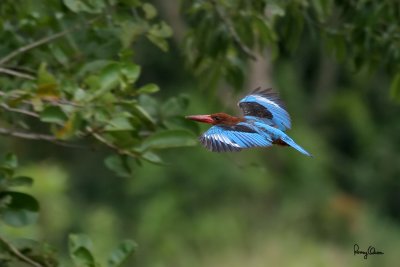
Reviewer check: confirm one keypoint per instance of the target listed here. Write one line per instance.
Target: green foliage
(76, 80)
(120, 164)
(20, 209)
(84, 72)
(16, 209)
(350, 30)
(38, 253)
(81, 92)
(121, 253)
(395, 87)
(169, 139)
(81, 252)
(80, 249)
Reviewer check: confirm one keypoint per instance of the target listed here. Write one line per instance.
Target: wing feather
(266, 105)
(222, 138)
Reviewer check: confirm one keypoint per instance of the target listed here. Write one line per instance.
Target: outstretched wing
(222, 138)
(266, 105)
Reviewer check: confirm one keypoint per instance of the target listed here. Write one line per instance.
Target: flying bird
(263, 124)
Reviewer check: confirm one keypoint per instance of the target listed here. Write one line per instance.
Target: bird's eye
(217, 118)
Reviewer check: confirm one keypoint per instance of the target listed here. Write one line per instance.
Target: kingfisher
(263, 124)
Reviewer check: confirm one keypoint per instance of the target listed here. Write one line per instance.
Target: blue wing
(266, 105)
(278, 135)
(223, 138)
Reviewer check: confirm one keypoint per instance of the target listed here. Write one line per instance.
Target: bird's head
(216, 118)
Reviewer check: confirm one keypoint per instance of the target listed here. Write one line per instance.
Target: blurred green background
(259, 207)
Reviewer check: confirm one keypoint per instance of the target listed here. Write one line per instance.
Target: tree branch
(232, 31)
(18, 254)
(37, 137)
(30, 136)
(16, 74)
(39, 42)
(22, 111)
(59, 102)
(110, 145)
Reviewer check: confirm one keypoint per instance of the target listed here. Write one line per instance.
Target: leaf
(323, 8)
(9, 164)
(143, 115)
(395, 87)
(119, 123)
(174, 106)
(37, 104)
(40, 252)
(59, 54)
(158, 33)
(119, 165)
(20, 181)
(273, 9)
(53, 114)
(94, 6)
(79, 240)
(75, 5)
(45, 77)
(162, 30)
(115, 74)
(82, 257)
(22, 209)
(169, 139)
(235, 74)
(80, 247)
(266, 34)
(108, 78)
(124, 139)
(101, 114)
(120, 254)
(70, 127)
(152, 157)
(148, 89)
(10, 161)
(130, 31)
(47, 84)
(180, 122)
(79, 95)
(150, 104)
(293, 30)
(6, 200)
(130, 72)
(149, 10)
(19, 99)
(243, 27)
(92, 66)
(159, 42)
(339, 47)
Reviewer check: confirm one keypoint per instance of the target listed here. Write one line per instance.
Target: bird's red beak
(201, 118)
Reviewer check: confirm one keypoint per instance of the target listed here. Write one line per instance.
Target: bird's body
(264, 123)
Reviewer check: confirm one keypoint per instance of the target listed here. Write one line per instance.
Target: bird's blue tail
(289, 141)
